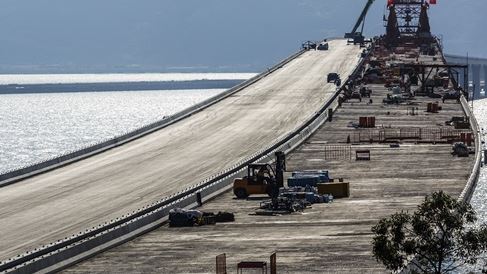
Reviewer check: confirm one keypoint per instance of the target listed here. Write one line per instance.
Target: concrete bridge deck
(329, 238)
(70, 199)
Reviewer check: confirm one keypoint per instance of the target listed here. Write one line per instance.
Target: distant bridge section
(477, 70)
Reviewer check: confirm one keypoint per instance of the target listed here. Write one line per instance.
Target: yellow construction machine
(261, 179)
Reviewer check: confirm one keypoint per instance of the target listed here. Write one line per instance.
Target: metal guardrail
(469, 188)
(65, 252)
(467, 192)
(17, 175)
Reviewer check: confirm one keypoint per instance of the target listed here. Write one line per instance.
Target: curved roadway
(70, 199)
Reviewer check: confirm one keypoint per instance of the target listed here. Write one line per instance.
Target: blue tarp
(323, 174)
(308, 177)
(303, 180)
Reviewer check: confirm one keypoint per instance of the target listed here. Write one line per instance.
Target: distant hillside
(119, 86)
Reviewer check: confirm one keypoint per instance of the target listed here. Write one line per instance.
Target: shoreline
(118, 86)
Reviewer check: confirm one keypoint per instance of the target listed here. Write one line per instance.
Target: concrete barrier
(17, 175)
(62, 254)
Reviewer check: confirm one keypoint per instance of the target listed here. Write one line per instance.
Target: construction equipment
(323, 45)
(261, 179)
(460, 149)
(393, 99)
(356, 35)
(332, 77)
(365, 92)
(452, 95)
(308, 45)
(354, 95)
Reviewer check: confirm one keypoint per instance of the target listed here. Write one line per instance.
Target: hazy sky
(188, 35)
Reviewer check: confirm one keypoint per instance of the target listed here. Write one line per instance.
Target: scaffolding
(407, 20)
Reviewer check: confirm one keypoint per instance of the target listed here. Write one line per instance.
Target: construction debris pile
(462, 150)
(305, 188)
(179, 217)
(308, 193)
(293, 199)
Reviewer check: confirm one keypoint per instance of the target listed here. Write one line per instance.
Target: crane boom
(360, 21)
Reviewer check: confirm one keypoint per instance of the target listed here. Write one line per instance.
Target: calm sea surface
(478, 198)
(36, 127)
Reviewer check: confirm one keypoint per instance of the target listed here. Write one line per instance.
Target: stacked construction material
(367, 122)
(308, 193)
(308, 178)
(433, 107)
(315, 198)
(338, 190)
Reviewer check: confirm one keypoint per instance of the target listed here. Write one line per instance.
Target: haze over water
(24, 79)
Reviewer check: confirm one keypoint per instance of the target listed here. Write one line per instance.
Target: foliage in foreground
(439, 236)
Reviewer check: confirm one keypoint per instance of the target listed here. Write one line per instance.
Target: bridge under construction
(385, 127)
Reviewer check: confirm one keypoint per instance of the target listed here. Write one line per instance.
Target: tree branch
(448, 269)
(432, 263)
(418, 266)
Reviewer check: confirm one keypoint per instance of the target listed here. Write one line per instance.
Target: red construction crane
(408, 19)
